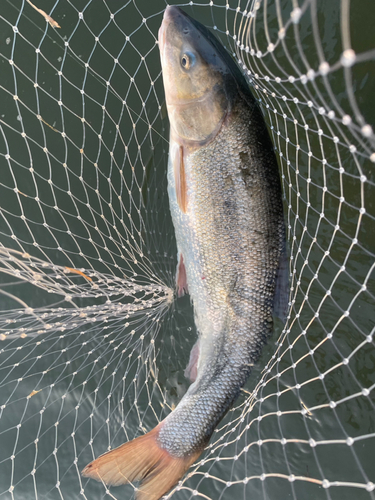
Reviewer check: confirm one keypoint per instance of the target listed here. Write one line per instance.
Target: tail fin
(141, 460)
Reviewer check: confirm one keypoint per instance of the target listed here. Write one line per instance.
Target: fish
(226, 204)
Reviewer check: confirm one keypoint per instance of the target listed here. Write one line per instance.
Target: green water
(121, 364)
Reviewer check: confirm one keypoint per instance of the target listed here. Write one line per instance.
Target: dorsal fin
(281, 299)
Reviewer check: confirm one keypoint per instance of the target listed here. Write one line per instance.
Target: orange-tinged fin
(141, 460)
(181, 280)
(180, 179)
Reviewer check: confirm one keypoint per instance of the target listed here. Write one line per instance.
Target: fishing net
(93, 341)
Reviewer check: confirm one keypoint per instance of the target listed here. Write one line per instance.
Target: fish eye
(187, 60)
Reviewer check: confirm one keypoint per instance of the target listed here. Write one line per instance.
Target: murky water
(98, 380)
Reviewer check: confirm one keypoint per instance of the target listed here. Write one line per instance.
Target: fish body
(231, 239)
(226, 205)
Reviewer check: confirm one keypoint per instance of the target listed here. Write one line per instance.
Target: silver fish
(226, 205)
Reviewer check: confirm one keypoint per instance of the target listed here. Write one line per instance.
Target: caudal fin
(141, 460)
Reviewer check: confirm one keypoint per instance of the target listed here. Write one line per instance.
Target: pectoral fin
(180, 178)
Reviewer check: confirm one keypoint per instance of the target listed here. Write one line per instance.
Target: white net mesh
(93, 343)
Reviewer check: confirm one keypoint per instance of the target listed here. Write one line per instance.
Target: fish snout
(172, 16)
(171, 13)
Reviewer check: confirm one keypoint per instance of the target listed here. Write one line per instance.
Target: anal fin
(191, 370)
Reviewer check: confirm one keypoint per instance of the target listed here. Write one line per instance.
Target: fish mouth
(171, 12)
(162, 29)
(170, 15)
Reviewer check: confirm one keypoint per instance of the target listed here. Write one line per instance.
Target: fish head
(199, 78)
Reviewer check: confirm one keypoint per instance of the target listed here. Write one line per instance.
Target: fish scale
(232, 234)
